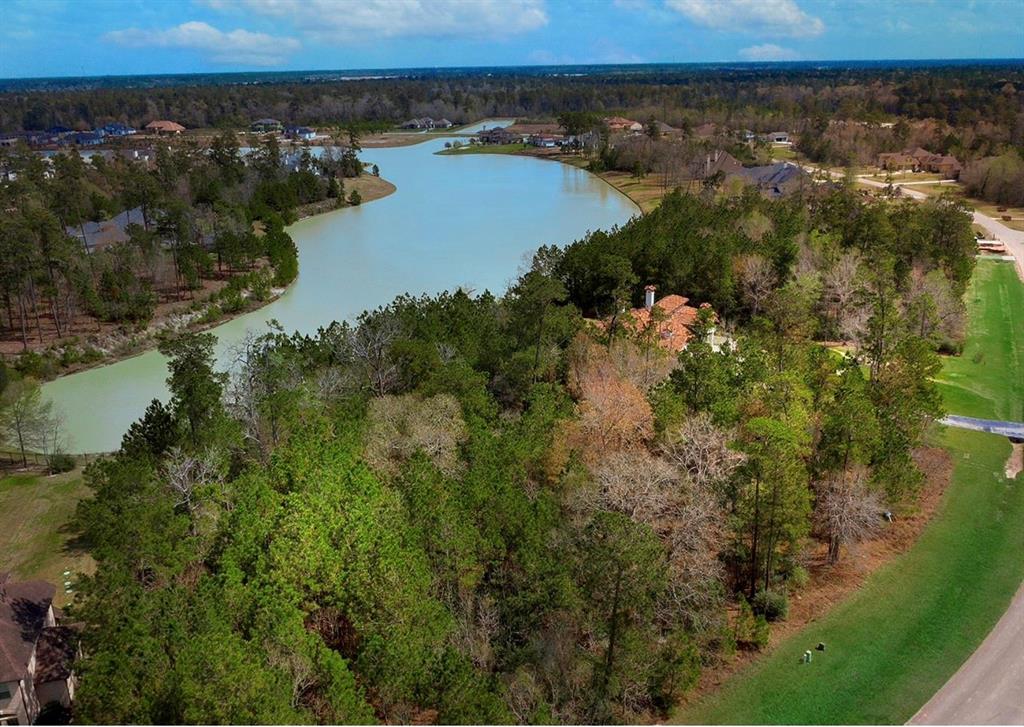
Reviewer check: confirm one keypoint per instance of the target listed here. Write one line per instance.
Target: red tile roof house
(161, 127)
(35, 653)
(673, 325)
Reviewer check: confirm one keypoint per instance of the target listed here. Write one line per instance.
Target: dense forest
(204, 224)
(487, 509)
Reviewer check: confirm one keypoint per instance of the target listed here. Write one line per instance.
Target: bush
(750, 631)
(798, 577)
(59, 462)
(774, 606)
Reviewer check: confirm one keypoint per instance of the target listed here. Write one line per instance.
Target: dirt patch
(831, 584)
(1015, 462)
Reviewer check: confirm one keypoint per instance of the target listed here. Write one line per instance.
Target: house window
(5, 692)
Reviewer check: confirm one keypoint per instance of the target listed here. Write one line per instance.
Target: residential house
(99, 235)
(775, 180)
(423, 123)
(619, 124)
(673, 321)
(546, 141)
(778, 137)
(300, 133)
(498, 135)
(162, 127)
(36, 653)
(712, 163)
(266, 126)
(443, 124)
(86, 138)
(899, 161)
(943, 164)
(705, 130)
(116, 129)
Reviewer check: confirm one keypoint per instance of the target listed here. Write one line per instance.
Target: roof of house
(23, 610)
(714, 162)
(103, 234)
(55, 652)
(619, 121)
(776, 178)
(266, 121)
(164, 125)
(674, 331)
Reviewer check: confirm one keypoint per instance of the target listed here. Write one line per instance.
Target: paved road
(1013, 239)
(992, 426)
(989, 687)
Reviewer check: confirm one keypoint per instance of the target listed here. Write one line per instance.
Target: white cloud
(332, 21)
(236, 46)
(768, 52)
(758, 17)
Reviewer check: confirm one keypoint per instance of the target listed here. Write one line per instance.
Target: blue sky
(97, 37)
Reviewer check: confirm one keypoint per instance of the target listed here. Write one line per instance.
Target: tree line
(487, 509)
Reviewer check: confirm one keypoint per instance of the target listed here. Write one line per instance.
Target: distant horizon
(853, 62)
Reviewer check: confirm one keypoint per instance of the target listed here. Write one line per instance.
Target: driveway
(989, 687)
(992, 426)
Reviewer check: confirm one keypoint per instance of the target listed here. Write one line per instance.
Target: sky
(124, 37)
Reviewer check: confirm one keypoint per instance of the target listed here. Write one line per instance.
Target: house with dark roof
(266, 126)
(301, 133)
(98, 235)
(36, 653)
(498, 135)
(709, 164)
(775, 180)
(116, 129)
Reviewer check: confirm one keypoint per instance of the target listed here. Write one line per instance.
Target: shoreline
(379, 189)
(609, 178)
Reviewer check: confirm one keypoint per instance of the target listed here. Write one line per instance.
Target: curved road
(989, 687)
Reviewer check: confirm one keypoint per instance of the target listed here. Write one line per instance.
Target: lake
(455, 221)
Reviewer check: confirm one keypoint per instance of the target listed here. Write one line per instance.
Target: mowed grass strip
(895, 642)
(987, 380)
(35, 541)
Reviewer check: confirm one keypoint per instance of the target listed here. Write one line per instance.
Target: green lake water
(469, 222)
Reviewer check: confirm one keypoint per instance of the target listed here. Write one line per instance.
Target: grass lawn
(987, 380)
(894, 643)
(486, 149)
(34, 510)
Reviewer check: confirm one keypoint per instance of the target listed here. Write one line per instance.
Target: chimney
(649, 297)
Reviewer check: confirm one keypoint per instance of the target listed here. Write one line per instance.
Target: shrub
(773, 605)
(60, 462)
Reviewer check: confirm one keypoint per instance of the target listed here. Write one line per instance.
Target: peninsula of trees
(488, 509)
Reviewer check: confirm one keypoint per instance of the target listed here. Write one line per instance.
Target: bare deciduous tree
(701, 449)
(399, 426)
(26, 420)
(847, 511)
(758, 278)
(189, 476)
(841, 289)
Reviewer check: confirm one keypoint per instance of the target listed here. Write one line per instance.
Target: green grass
(893, 644)
(485, 149)
(34, 538)
(896, 641)
(987, 380)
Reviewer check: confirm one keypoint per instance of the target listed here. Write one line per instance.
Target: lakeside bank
(199, 314)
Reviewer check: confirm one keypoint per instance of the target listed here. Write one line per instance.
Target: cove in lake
(469, 221)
